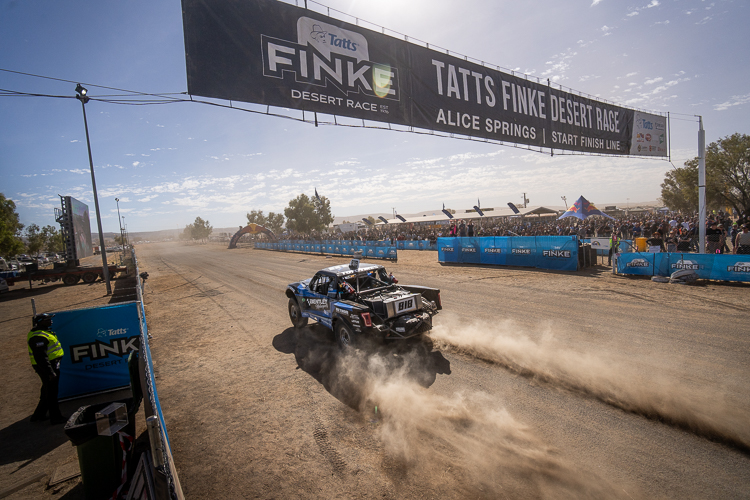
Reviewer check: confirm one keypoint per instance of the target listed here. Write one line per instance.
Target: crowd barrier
(369, 249)
(162, 462)
(721, 267)
(543, 252)
(416, 245)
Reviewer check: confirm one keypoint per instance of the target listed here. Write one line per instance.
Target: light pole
(565, 201)
(81, 96)
(119, 221)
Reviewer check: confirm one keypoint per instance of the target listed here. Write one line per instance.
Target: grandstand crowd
(670, 231)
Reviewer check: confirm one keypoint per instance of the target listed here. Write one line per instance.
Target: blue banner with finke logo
(719, 267)
(543, 252)
(371, 249)
(97, 342)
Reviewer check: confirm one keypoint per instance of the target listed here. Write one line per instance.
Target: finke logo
(493, 250)
(686, 264)
(565, 254)
(521, 251)
(326, 54)
(99, 350)
(638, 263)
(469, 249)
(739, 267)
(447, 249)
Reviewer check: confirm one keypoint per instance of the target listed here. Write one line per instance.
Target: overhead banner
(272, 53)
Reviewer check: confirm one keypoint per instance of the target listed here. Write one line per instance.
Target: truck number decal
(405, 305)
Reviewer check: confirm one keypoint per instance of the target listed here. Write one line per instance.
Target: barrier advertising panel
(274, 53)
(372, 249)
(543, 252)
(96, 342)
(638, 263)
(721, 267)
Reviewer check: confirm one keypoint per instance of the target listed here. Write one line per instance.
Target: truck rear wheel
(295, 314)
(89, 277)
(70, 279)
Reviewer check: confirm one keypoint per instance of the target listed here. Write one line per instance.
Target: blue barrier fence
(543, 252)
(151, 399)
(722, 267)
(416, 245)
(369, 249)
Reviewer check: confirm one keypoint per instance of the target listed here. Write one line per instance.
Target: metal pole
(119, 221)
(701, 186)
(105, 267)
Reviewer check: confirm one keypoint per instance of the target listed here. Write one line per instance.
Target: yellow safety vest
(54, 349)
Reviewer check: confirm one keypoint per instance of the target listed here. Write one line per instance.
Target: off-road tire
(295, 314)
(344, 336)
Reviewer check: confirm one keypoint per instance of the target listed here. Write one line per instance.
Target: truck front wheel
(295, 314)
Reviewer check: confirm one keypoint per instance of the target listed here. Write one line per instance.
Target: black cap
(43, 320)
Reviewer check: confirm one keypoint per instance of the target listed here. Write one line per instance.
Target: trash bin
(640, 244)
(100, 457)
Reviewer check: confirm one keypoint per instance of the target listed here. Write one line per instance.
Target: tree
(679, 191)
(730, 165)
(372, 220)
(275, 222)
(305, 215)
(10, 228)
(256, 217)
(727, 178)
(53, 239)
(34, 239)
(201, 229)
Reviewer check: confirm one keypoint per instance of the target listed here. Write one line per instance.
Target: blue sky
(169, 163)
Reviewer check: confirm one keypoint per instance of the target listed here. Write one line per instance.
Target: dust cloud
(461, 445)
(649, 390)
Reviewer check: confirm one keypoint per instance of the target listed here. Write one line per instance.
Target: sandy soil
(29, 450)
(539, 385)
(534, 385)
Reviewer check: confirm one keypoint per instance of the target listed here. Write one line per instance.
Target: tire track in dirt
(321, 435)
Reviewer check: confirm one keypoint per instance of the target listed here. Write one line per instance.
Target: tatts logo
(326, 54)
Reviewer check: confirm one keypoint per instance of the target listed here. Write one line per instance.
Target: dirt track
(540, 384)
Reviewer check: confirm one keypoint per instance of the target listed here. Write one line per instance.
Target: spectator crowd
(669, 231)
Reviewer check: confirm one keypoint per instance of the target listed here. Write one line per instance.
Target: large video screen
(81, 228)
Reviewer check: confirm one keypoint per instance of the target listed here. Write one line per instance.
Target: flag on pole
(317, 197)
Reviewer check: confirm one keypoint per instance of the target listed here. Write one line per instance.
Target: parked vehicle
(4, 286)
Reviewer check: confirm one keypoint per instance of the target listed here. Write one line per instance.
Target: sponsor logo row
(564, 254)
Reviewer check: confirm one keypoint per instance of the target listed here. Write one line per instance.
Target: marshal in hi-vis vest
(54, 349)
